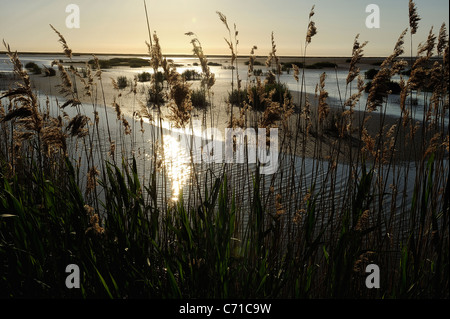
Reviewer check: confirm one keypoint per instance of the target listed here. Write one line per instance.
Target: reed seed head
(429, 45)
(312, 31)
(413, 17)
(223, 18)
(442, 40)
(357, 54)
(67, 50)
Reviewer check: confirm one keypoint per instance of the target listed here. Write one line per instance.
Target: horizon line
(183, 54)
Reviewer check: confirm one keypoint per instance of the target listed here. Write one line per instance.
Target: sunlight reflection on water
(176, 164)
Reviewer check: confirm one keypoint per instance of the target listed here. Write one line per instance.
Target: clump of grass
(236, 97)
(155, 97)
(277, 92)
(49, 71)
(198, 98)
(33, 67)
(258, 72)
(144, 77)
(122, 82)
(191, 75)
(370, 74)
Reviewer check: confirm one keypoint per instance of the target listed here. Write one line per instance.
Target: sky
(119, 26)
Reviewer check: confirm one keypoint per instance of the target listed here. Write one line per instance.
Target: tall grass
(95, 189)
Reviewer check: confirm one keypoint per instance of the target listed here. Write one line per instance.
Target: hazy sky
(119, 26)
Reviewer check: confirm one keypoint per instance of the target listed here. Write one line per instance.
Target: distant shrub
(144, 77)
(370, 74)
(198, 98)
(258, 72)
(214, 64)
(122, 82)
(49, 71)
(191, 75)
(156, 96)
(238, 97)
(280, 90)
(392, 86)
(33, 67)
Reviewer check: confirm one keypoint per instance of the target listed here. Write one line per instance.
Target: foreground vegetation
(76, 190)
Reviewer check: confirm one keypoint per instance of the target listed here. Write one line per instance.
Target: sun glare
(176, 164)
